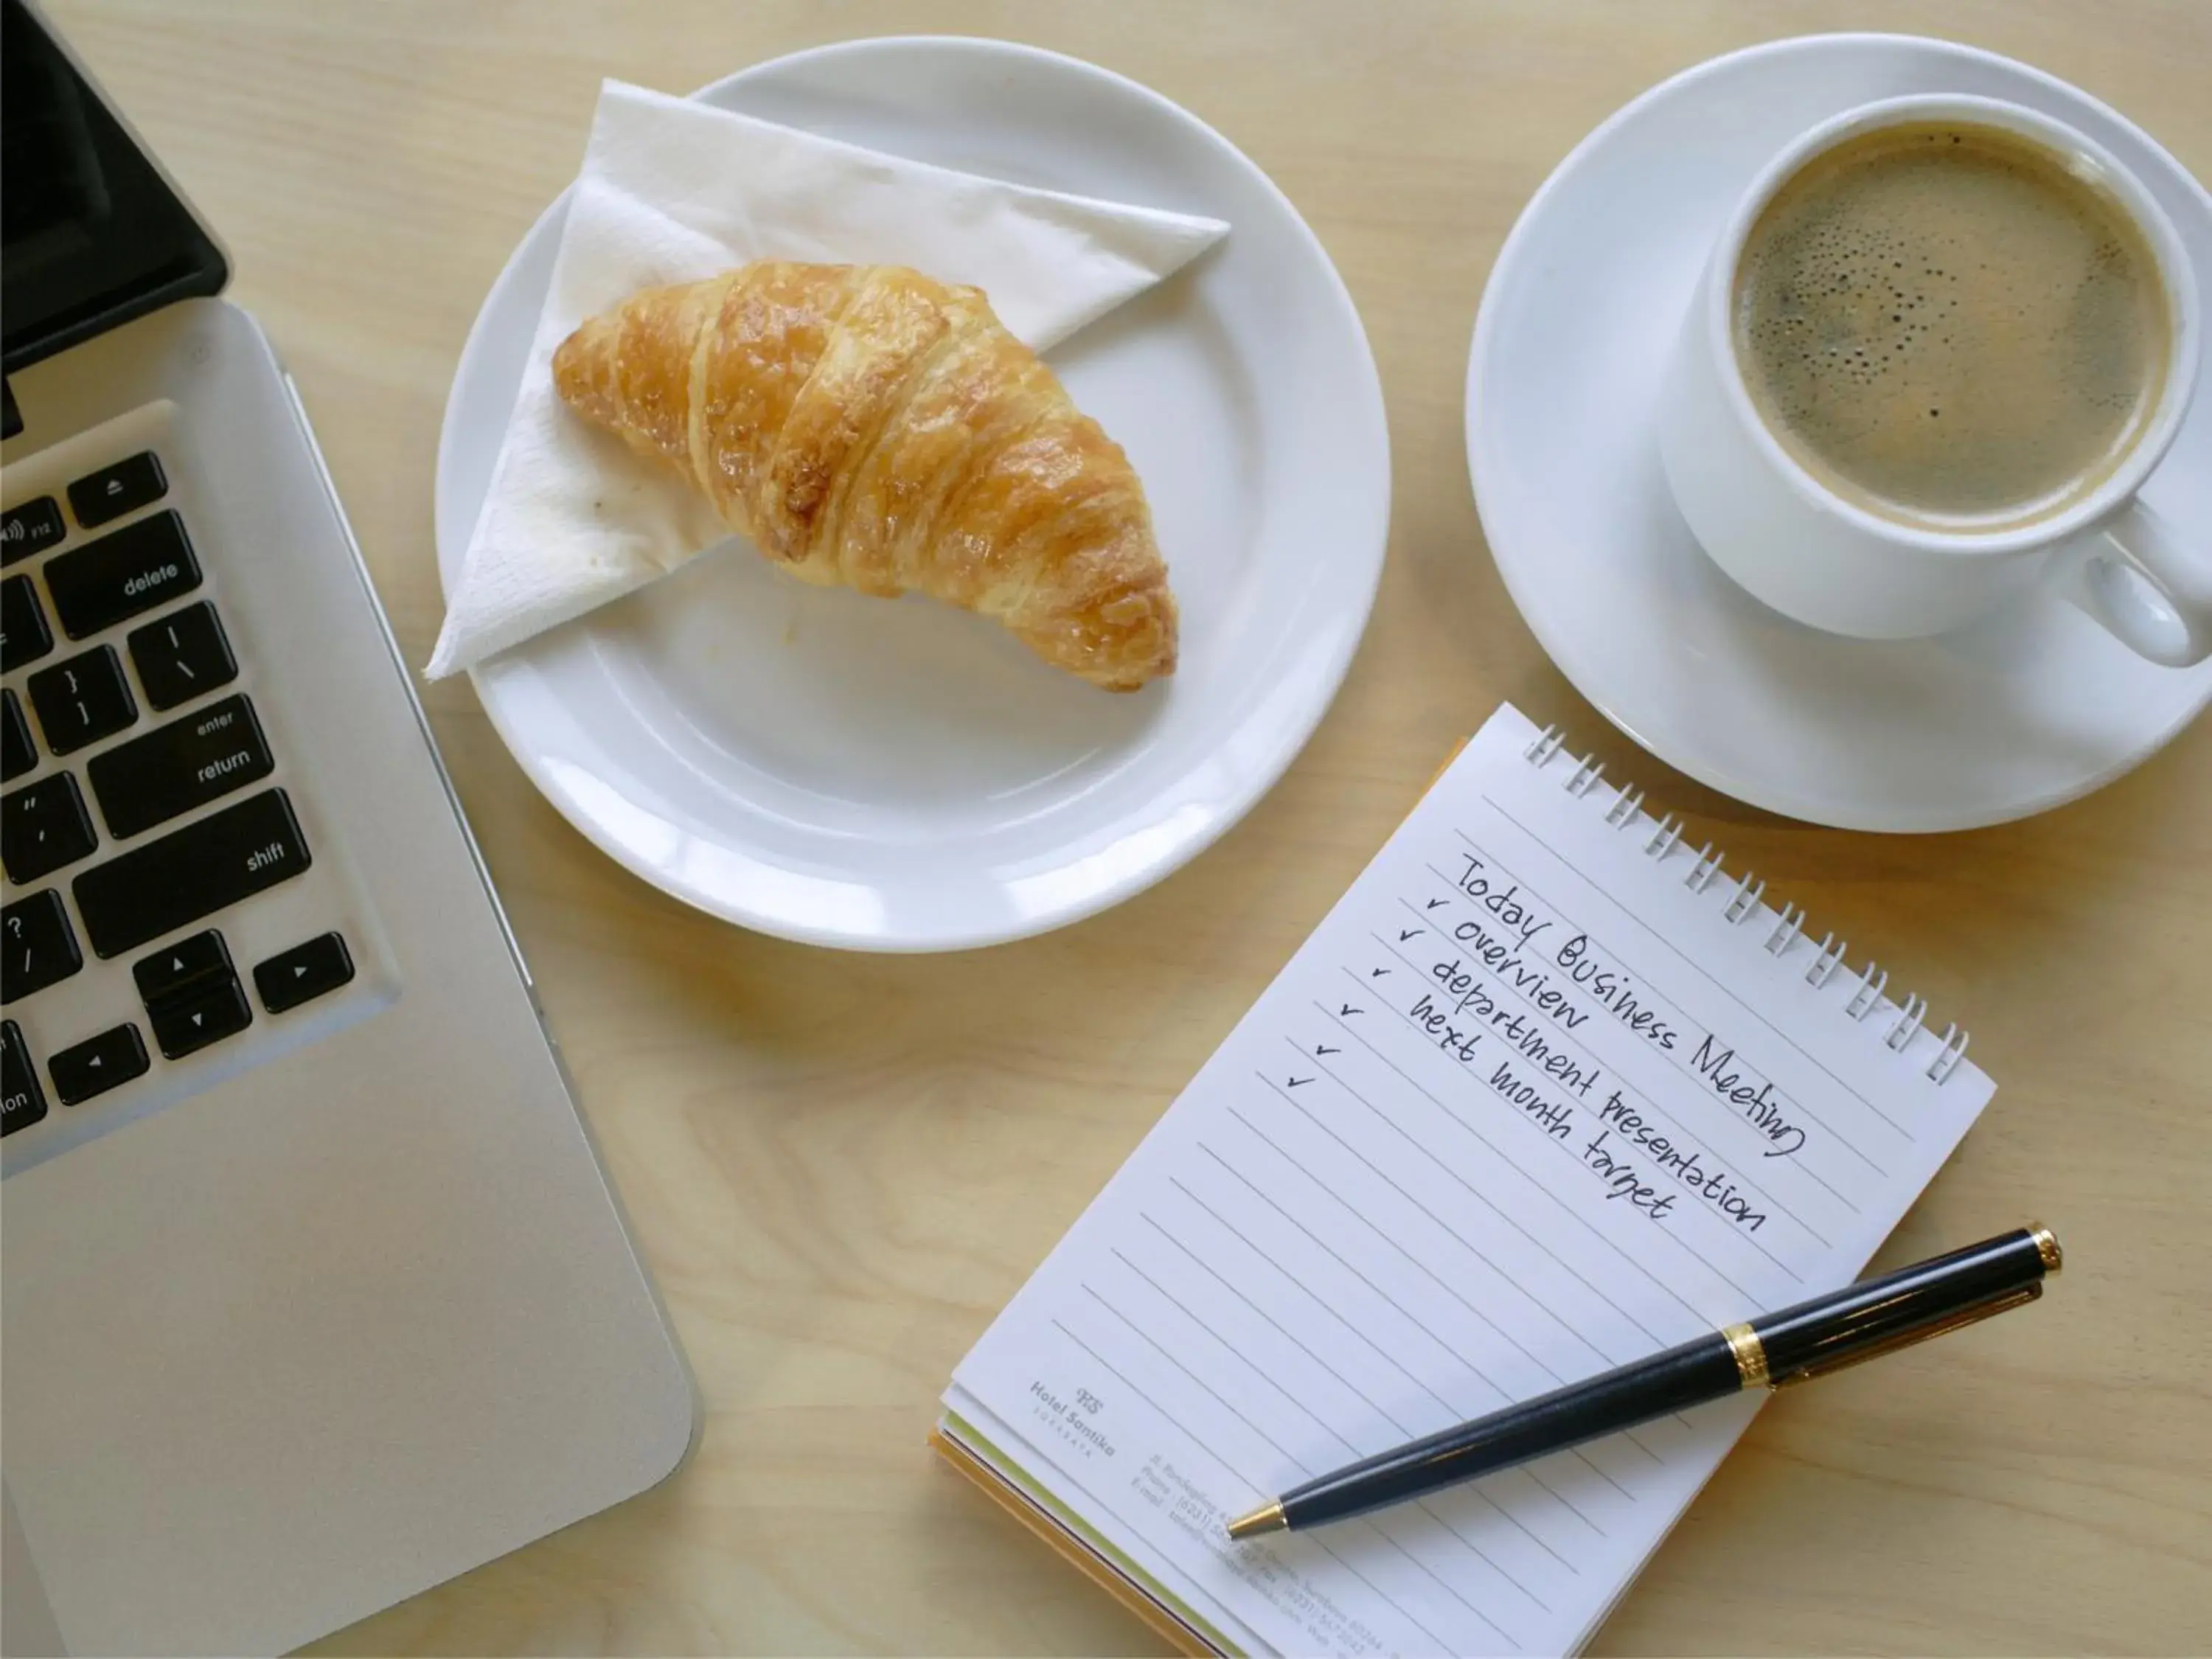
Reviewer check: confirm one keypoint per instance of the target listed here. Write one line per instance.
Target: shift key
(191, 872)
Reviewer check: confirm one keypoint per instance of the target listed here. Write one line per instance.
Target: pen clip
(1971, 1315)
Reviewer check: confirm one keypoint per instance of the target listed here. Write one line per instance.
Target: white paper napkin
(674, 192)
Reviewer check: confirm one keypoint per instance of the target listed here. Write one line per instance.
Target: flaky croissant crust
(868, 427)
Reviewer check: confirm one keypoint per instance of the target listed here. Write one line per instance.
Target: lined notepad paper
(1547, 1090)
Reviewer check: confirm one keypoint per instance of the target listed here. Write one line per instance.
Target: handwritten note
(1547, 1090)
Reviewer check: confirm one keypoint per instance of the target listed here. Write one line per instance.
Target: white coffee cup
(1815, 556)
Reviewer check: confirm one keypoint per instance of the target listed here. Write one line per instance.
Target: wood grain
(841, 1167)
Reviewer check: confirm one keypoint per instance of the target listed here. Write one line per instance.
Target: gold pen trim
(2046, 1246)
(1750, 1355)
(1268, 1517)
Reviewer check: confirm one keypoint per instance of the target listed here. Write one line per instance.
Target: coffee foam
(1943, 321)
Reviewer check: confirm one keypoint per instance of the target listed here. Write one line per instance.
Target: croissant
(868, 427)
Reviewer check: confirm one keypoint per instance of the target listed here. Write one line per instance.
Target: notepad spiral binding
(1666, 835)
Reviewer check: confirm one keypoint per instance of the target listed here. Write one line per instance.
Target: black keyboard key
(175, 768)
(24, 636)
(115, 491)
(98, 1063)
(303, 973)
(173, 967)
(43, 826)
(22, 1102)
(31, 528)
(36, 946)
(205, 1011)
(82, 699)
(191, 872)
(181, 656)
(125, 572)
(18, 755)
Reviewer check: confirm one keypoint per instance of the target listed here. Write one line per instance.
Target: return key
(177, 766)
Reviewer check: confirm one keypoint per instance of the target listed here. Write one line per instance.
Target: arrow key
(176, 965)
(206, 1011)
(98, 1063)
(303, 973)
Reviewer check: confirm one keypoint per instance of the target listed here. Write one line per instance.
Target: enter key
(179, 766)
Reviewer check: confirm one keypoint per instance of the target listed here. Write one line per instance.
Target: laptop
(314, 1291)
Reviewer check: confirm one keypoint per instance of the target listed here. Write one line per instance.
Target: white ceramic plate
(2025, 710)
(899, 775)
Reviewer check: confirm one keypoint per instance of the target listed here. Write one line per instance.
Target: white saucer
(903, 776)
(2013, 716)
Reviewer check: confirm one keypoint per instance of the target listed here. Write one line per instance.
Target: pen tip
(1268, 1517)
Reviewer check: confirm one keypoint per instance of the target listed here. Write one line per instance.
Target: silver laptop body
(317, 1295)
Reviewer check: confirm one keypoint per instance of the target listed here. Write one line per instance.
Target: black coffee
(1947, 324)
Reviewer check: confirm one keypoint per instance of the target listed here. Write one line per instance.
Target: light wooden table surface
(841, 1166)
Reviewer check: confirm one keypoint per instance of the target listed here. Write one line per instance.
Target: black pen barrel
(1830, 1331)
(1701, 1370)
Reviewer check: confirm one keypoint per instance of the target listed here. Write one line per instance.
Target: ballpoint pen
(1859, 1322)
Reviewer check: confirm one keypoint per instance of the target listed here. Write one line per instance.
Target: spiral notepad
(1549, 1088)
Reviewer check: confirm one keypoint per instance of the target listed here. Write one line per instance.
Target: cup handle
(2148, 590)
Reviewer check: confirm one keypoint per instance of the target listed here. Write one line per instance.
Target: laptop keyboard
(106, 748)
